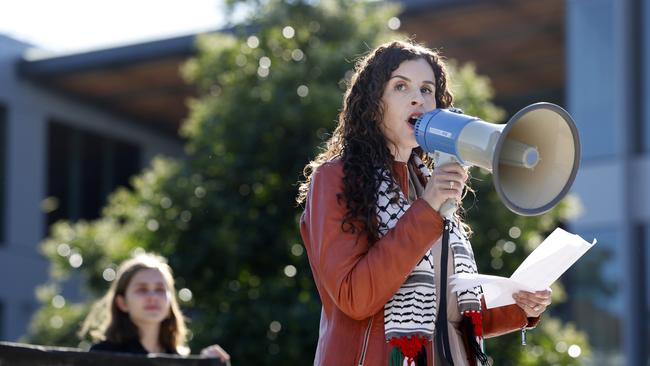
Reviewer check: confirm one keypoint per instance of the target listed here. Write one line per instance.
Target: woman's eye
(400, 87)
(426, 90)
(160, 290)
(141, 290)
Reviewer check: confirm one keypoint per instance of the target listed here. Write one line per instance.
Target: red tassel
(477, 321)
(409, 346)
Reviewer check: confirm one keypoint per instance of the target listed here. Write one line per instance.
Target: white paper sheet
(543, 266)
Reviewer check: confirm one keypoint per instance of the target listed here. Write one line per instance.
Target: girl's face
(147, 298)
(409, 92)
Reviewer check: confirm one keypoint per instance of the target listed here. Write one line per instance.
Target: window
(645, 238)
(83, 169)
(645, 73)
(590, 40)
(593, 288)
(2, 320)
(3, 155)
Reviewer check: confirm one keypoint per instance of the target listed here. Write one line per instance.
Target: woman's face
(409, 92)
(147, 298)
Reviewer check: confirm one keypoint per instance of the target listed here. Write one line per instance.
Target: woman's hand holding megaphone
(446, 182)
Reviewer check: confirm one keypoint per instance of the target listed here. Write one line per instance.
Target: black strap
(421, 358)
(442, 332)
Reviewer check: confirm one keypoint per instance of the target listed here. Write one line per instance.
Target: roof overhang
(139, 82)
(518, 44)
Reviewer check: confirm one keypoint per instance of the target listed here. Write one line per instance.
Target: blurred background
(182, 127)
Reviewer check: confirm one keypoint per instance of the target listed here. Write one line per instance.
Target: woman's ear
(120, 301)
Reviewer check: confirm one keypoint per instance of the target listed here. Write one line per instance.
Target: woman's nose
(417, 99)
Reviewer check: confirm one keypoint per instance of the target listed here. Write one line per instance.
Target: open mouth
(413, 119)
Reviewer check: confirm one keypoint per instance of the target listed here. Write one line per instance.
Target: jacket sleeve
(358, 278)
(505, 319)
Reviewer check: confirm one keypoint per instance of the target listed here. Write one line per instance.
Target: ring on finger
(537, 308)
(451, 184)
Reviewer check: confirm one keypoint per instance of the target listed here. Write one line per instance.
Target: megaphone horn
(534, 157)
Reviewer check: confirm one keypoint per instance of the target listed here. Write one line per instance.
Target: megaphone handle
(448, 208)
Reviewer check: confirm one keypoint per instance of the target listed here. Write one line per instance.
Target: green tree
(225, 214)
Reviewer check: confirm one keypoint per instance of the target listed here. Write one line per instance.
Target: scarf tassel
(471, 320)
(396, 357)
(477, 321)
(408, 349)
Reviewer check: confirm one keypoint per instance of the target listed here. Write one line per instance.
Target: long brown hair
(106, 321)
(358, 140)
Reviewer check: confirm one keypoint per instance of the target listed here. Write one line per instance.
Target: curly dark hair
(358, 140)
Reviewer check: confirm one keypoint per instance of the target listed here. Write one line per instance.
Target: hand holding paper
(542, 267)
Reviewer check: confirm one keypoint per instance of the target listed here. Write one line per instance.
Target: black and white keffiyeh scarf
(410, 315)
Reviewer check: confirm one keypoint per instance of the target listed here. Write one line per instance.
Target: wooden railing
(20, 354)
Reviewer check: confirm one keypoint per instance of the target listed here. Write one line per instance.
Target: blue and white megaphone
(533, 158)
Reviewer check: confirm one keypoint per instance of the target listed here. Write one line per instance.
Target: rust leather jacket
(355, 280)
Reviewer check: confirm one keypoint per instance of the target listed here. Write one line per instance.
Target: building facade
(59, 158)
(608, 44)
